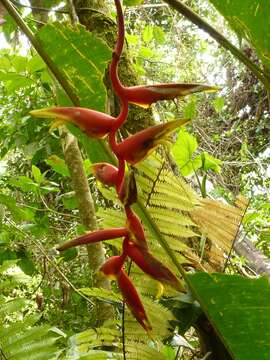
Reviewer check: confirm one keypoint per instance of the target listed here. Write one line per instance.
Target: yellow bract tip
(56, 124)
(160, 290)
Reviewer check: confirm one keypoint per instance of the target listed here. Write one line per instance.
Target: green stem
(222, 40)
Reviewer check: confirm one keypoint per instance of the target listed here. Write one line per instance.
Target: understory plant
(166, 241)
(130, 151)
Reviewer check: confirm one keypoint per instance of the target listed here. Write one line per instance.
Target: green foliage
(184, 151)
(250, 19)
(239, 310)
(132, 2)
(34, 208)
(23, 339)
(77, 58)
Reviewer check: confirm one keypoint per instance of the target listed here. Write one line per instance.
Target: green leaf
(209, 162)
(147, 33)
(19, 63)
(183, 150)
(37, 174)
(190, 109)
(35, 64)
(69, 254)
(159, 35)
(25, 184)
(82, 58)
(132, 2)
(103, 294)
(69, 200)
(146, 52)
(27, 266)
(58, 165)
(218, 104)
(15, 81)
(4, 63)
(239, 310)
(17, 212)
(132, 39)
(250, 19)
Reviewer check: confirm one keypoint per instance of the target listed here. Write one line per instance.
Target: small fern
(22, 340)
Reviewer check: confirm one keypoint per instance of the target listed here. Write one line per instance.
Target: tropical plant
(163, 218)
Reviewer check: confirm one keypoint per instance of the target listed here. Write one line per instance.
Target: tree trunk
(256, 260)
(73, 159)
(96, 254)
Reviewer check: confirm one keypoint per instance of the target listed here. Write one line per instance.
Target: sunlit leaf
(250, 19)
(239, 310)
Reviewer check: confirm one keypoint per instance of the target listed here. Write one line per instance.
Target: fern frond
(21, 340)
(139, 351)
(102, 294)
(159, 317)
(10, 331)
(98, 355)
(219, 222)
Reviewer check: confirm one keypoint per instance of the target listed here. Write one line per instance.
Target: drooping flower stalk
(145, 95)
(131, 150)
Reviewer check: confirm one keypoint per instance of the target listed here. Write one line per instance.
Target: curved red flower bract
(136, 232)
(94, 123)
(146, 95)
(106, 173)
(112, 266)
(140, 145)
(94, 236)
(150, 265)
(133, 300)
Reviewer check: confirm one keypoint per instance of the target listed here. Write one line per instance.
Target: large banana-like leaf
(239, 310)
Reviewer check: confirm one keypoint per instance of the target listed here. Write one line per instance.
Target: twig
(72, 12)
(123, 319)
(222, 40)
(40, 247)
(3, 356)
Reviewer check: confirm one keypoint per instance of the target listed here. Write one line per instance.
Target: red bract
(94, 236)
(113, 269)
(105, 173)
(138, 146)
(150, 265)
(146, 95)
(112, 266)
(94, 123)
(133, 300)
(136, 232)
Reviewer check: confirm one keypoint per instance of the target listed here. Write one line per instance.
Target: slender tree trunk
(96, 254)
(74, 161)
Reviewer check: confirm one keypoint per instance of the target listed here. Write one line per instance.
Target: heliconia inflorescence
(131, 150)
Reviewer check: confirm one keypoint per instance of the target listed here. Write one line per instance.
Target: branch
(256, 259)
(202, 24)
